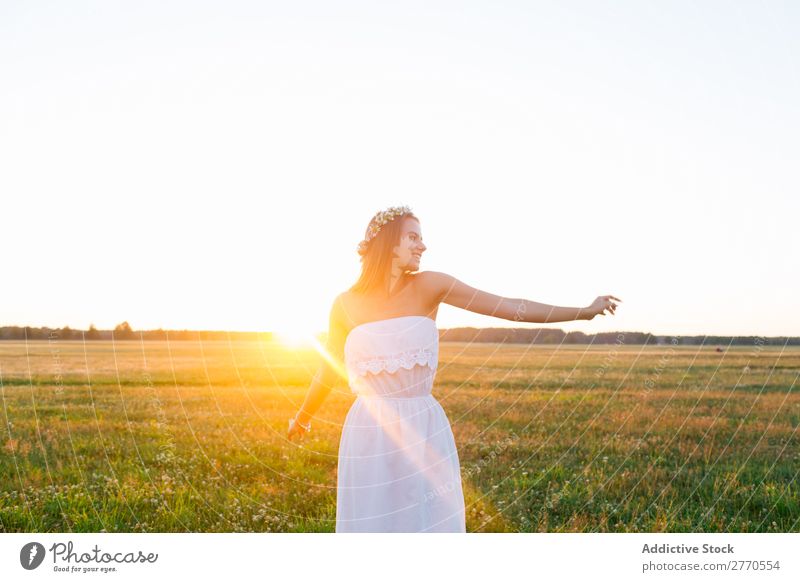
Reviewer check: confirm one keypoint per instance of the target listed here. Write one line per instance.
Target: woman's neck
(397, 282)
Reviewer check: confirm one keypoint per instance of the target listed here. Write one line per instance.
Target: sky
(213, 165)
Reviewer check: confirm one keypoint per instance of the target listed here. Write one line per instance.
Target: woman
(398, 467)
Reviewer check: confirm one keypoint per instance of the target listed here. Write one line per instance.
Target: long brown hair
(377, 255)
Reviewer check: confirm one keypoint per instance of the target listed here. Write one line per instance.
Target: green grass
(191, 437)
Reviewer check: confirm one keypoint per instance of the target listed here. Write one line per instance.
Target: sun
(295, 337)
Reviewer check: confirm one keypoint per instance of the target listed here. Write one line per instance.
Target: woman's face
(411, 247)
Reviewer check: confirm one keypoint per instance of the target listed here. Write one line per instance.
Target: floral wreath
(378, 221)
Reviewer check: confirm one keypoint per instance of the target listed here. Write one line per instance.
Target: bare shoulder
(344, 306)
(338, 308)
(337, 327)
(434, 284)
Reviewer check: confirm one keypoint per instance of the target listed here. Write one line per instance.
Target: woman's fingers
(292, 431)
(606, 303)
(611, 306)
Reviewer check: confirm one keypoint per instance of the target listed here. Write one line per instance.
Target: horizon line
(237, 331)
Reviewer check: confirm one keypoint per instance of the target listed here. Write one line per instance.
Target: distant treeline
(123, 331)
(543, 336)
(548, 336)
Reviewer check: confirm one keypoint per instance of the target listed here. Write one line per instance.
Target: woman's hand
(599, 306)
(295, 429)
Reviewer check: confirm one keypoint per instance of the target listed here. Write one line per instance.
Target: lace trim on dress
(407, 360)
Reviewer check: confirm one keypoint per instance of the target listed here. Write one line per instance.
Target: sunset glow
(295, 338)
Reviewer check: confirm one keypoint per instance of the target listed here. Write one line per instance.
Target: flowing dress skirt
(398, 468)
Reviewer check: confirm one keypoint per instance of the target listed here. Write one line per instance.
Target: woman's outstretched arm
(330, 374)
(450, 290)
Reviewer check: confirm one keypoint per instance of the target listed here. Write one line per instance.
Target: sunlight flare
(295, 338)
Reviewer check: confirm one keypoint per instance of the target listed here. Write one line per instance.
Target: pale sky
(212, 165)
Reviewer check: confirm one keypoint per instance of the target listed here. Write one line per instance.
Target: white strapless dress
(398, 467)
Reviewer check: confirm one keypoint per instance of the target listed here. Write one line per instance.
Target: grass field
(190, 436)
